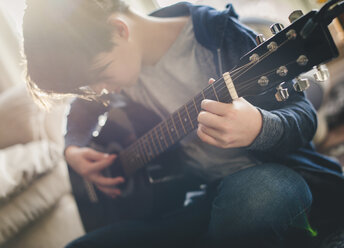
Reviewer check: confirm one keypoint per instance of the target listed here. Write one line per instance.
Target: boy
(256, 151)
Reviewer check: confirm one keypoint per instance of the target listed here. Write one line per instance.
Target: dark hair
(61, 39)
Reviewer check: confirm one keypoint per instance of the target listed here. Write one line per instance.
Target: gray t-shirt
(179, 75)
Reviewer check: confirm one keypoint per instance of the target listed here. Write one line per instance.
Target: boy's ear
(121, 27)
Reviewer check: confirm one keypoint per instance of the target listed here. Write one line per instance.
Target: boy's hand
(89, 163)
(228, 125)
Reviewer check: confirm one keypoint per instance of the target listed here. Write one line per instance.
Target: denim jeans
(256, 207)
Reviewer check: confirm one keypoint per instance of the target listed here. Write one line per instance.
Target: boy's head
(62, 39)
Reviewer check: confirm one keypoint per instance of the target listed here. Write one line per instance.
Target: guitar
(304, 44)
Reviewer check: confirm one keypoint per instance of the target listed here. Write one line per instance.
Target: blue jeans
(255, 207)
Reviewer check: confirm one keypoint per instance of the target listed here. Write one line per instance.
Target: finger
(105, 181)
(105, 162)
(210, 120)
(218, 108)
(112, 192)
(211, 80)
(94, 155)
(214, 133)
(207, 139)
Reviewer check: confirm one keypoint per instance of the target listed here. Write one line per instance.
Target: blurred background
(37, 208)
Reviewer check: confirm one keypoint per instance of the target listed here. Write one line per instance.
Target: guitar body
(144, 196)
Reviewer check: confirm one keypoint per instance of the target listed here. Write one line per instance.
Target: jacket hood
(204, 19)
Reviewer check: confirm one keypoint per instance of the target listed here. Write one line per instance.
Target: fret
(222, 91)
(203, 94)
(175, 127)
(138, 155)
(142, 152)
(209, 93)
(194, 102)
(186, 119)
(212, 86)
(153, 143)
(130, 159)
(147, 149)
(178, 121)
(193, 114)
(168, 130)
(181, 122)
(150, 147)
(158, 137)
(163, 135)
(133, 160)
(187, 111)
(199, 98)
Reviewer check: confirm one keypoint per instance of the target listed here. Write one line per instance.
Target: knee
(261, 199)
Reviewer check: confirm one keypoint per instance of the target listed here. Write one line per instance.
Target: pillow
(20, 118)
(21, 164)
(40, 197)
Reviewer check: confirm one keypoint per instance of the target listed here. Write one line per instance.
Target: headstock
(284, 57)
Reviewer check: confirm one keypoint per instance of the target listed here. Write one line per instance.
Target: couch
(37, 208)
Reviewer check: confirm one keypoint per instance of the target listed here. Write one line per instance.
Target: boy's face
(118, 68)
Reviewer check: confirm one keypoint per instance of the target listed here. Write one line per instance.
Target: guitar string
(181, 110)
(240, 70)
(187, 124)
(152, 156)
(248, 83)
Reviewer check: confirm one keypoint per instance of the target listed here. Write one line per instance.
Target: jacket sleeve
(287, 126)
(81, 121)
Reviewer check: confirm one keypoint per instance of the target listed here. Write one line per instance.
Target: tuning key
(301, 84)
(275, 28)
(282, 94)
(260, 39)
(296, 14)
(321, 73)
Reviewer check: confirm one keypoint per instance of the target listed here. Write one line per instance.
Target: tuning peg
(282, 94)
(260, 39)
(301, 84)
(321, 73)
(296, 14)
(275, 28)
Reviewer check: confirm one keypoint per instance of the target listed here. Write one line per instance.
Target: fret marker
(172, 129)
(230, 86)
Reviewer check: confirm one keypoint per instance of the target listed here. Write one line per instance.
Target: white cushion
(32, 203)
(21, 119)
(20, 164)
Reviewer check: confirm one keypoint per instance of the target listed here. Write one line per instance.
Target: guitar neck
(168, 132)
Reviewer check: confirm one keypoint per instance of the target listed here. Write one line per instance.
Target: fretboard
(168, 132)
